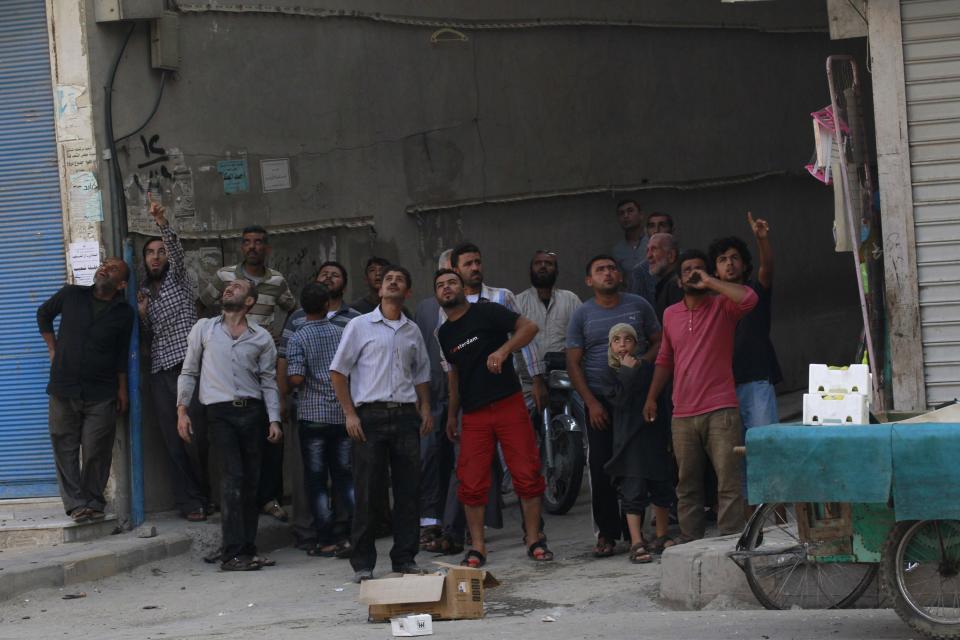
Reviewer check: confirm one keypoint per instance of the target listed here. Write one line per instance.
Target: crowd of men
(434, 409)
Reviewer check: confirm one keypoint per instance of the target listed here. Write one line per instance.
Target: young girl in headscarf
(641, 465)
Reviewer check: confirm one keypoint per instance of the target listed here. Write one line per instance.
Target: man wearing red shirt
(697, 353)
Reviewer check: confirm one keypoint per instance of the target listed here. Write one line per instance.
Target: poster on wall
(275, 174)
(85, 197)
(84, 260)
(234, 173)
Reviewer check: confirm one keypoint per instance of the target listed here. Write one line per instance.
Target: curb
(695, 573)
(63, 566)
(26, 569)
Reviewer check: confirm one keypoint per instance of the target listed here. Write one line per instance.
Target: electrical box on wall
(165, 42)
(123, 10)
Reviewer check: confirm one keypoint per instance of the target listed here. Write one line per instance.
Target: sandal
(322, 551)
(445, 545)
(237, 563)
(660, 543)
(430, 533)
(274, 509)
(539, 552)
(474, 559)
(263, 561)
(80, 514)
(604, 548)
(639, 554)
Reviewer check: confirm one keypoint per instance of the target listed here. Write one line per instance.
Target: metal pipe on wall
(136, 407)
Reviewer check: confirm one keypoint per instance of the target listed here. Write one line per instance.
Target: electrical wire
(186, 6)
(153, 112)
(118, 200)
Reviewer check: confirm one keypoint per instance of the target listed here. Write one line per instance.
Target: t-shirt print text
(464, 344)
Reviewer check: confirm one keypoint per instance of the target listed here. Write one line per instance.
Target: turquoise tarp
(926, 471)
(797, 463)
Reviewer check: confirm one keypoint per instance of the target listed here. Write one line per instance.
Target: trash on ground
(413, 625)
(548, 619)
(73, 596)
(454, 593)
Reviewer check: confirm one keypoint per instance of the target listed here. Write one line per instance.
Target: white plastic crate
(852, 379)
(835, 409)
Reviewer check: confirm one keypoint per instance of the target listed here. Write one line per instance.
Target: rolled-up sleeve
(665, 355)
(190, 370)
(296, 360)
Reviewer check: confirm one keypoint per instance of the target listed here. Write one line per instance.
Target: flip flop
(474, 559)
(545, 554)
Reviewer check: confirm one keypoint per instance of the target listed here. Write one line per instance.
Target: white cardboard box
(835, 409)
(852, 379)
(412, 625)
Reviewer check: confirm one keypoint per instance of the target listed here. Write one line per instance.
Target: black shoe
(362, 575)
(411, 568)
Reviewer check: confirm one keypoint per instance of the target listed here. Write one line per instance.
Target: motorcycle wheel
(563, 481)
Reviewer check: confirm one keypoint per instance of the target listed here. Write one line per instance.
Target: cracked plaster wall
(374, 118)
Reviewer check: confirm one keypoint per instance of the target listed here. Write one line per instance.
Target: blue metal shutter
(32, 260)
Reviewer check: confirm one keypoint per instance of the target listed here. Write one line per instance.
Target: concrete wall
(514, 138)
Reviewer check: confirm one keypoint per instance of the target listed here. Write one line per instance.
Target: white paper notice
(84, 260)
(275, 174)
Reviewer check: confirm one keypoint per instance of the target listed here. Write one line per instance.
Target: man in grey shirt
(235, 361)
(587, 344)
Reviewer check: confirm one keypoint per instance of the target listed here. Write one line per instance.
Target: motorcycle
(560, 436)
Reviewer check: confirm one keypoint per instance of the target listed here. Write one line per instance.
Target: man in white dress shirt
(381, 375)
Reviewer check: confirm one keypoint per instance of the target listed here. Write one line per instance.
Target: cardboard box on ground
(453, 593)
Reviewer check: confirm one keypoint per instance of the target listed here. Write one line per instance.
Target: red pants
(507, 422)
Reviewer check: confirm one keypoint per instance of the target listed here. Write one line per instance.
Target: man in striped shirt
(273, 292)
(272, 286)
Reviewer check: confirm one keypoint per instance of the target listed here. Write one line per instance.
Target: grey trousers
(82, 435)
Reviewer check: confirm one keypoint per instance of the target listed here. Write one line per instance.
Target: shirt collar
(377, 316)
(250, 329)
(267, 271)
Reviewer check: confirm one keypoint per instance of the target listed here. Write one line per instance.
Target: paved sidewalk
(24, 569)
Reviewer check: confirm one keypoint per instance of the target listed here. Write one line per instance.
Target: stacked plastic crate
(837, 395)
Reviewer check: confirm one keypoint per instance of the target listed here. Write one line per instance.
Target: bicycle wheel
(921, 573)
(782, 576)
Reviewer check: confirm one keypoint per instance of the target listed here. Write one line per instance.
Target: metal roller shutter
(32, 261)
(931, 55)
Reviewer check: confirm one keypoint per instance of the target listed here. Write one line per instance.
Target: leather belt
(387, 405)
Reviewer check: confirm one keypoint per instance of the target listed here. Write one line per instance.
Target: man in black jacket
(88, 383)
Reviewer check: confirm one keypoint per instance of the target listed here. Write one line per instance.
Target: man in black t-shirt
(476, 345)
(755, 366)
